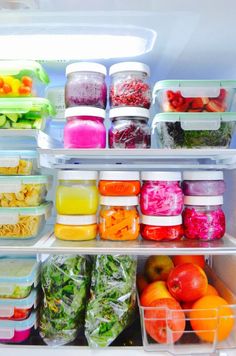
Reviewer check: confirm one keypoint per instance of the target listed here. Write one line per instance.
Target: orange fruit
(211, 290)
(211, 317)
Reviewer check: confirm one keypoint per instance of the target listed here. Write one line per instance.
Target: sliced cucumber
(32, 115)
(3, 120)
(37, 124)
(7, 125)
(13, 117)
(22, 124)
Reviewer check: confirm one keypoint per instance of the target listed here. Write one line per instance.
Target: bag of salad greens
(112, 301)
(65, 281)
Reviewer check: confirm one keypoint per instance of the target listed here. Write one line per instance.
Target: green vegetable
(2, 120)
(18, 292)
(112, 301)
(7, 125)
(21, 121)
(22, 124)
(37, 124)
(13, 117)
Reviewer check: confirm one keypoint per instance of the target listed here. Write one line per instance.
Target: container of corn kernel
(27, 191)
(18, 163)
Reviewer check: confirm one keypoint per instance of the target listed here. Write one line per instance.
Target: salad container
(18, 162)
(15, 332)
(23, 223)
(18, 309)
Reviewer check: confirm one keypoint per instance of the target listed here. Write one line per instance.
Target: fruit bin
(18, 162)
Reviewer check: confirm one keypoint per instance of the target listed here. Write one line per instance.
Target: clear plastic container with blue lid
(15, 332)
(18, 162)
(18, 309)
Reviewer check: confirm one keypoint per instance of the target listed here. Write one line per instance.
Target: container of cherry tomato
(161, 228)
(18, 309)
(119, 183)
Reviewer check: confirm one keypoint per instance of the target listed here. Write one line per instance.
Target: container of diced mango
(22, 163)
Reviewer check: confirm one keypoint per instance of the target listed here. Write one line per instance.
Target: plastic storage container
(161, 228)
(18, 275)
(129, 85)
(85, 128)
(119, 218)
(77, 193)
(86, 85)
(76, 228)
(129, 128)
(194, 130)
(203, 218)
(119, 183)
(27, 191)
(18, 162)
(23, 223)
(18, 78)
(195, 95)
(161, 193)
(18, 309)
(15, 332)
(203, 183)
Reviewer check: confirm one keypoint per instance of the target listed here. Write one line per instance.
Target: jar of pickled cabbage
(203, 218)
(161, 228)
(161, 194)
(76, 227)
(119, 183)
(203, 183)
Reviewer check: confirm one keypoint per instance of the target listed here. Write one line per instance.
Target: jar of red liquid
(161, 228)
(129, 85)
(119, 183)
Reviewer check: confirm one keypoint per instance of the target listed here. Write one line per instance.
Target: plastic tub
(203, 183)
(27, 191)
(119, 183)
(161, 228)
(18, 309)
(18, 162)
(76, 227)
(15, 332)
(23, 223)
(194, 130)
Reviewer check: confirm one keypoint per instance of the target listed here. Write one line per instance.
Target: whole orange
(196, 259)
(211, 290)
(211, 317)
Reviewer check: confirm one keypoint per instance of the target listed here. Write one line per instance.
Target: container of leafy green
(112, 301)
(194, 130)
(65, 281)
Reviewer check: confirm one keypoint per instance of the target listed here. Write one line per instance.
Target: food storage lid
(77, 175)
(9, 158)
(11, 215)
(119, 201)
(203, 175)
(161, 220)
(13, 184)
(76, 219)
(119, 175)
(129, 67)
(41, 106)
(131, 112)
(86, 67)
(8, 327)
(85, 111)
(7, 305)
(203, 200)
(161, 176)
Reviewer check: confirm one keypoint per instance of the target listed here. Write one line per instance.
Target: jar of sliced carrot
(118, 183)
(119, 218)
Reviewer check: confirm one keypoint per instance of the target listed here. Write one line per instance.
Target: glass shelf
(25, 139)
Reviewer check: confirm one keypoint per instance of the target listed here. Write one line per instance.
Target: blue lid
(26, 303)
(18, 270)
(18, 324)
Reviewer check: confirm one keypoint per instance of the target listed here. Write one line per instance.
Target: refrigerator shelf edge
(25, 139)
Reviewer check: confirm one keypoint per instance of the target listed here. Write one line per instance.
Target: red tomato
(1, 82)
(24, 90)
(27, 81)
(7, 88)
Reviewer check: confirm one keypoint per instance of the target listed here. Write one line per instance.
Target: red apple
(166, 313)
(196, 259)
(157, 268)
(154, 291)
(141, 282)
(187, 282)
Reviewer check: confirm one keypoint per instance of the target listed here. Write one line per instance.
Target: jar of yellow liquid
(77, 193)
(76, 227)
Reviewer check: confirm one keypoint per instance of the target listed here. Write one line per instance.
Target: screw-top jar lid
(132, 112)
(203, 175)
(161, 176)
(119, 201)
(129, 67)
(202, 200)
(76, 219)
(86, 67)
(85, 111)
(161, 220)
(119, 175)
(77, 175)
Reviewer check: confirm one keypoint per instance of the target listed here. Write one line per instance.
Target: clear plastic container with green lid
(18, 162)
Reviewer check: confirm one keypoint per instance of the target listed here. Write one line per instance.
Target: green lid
(39, 179)
(38, 210)
(168, 84)
(25, 105)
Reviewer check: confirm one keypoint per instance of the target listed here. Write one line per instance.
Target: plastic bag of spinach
(112, 302)
(65, 282)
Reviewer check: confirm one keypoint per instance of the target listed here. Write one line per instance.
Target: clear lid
(76, 219)
(119, 201)
(119, 175)
(13, 184)
(6, 304)
(7, 327)
(203, 200)
(85, 111)
(86, 67)
(129, 67)
(203, 175)
(77, 175)
(25, 105)
(161, 220)
(11, 215)
(18, 270)
(166, 84)
(131, 112)
(161, 176)
(10, 158)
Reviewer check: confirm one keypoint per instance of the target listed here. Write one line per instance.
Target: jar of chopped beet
(86, 85)
(161, 194)
(119, 183)
(161, 228)
(129, 128)
(129, 85)
(203, 218)
(203, 183)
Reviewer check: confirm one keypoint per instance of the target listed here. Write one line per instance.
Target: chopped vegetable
(29, 120)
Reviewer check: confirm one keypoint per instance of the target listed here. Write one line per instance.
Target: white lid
(119, 201)
(129, 67)
(161, 220)
(85, 111)
(129, 111)
(200, 200)
(203, 175)
(77, 175)
(86, 67)
(119, 175)
(76, 219)
(161, 176)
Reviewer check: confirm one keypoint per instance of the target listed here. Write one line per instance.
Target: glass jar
(119, 218)
(85, 128)
(129, 85)
(203, 183)
(203, 218)
(129, 128)
(76, 228)
(162, 228)
(118, 183)
(77, 193)
(86, 85)
(161, 193)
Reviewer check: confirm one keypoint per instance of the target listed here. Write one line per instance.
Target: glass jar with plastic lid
(203, 183)
(76, 227)
(119, 183)
(161, 228)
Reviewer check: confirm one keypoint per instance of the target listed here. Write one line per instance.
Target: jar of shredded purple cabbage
(203, 183)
